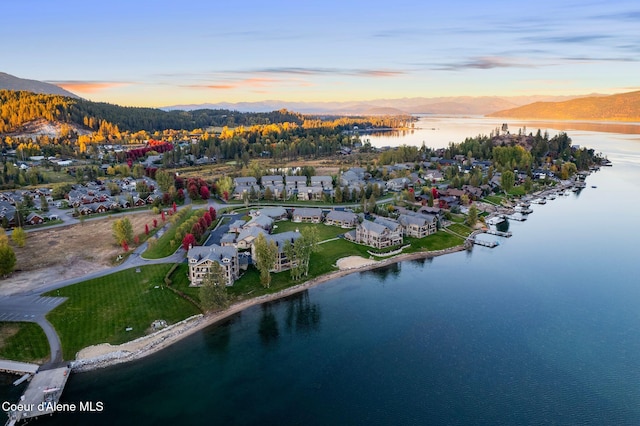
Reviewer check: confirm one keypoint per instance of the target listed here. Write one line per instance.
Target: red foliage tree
(175, 208)
(197, 230)
(212, 213)
(146, 229)
(125, 246)
(155, 223)
(207, 218)
(188, 240)
(162, 216)
(136, 240)
(204, 193)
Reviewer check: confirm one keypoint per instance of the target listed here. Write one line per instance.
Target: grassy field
(495, 199)
(180, 281)
(100, 310)
(23, 341)
(325, 232)
(461, 229)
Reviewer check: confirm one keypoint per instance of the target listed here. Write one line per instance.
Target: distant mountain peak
(11, 82)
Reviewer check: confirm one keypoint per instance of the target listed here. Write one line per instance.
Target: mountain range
(620, 107)
(419, 105)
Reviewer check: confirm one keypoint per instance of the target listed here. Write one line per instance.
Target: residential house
(245, 181)
(273, 180)
(282, 263)
(418, 225)
(311, 215)
(325, 182)
(377, 234)
(236, 226)
(201, 260)
(264, 222)
(34, 219)
(240, 191)
(342, 219)
(229, 239)
(310, 193)
(275, 213)
(397, 184)
(246, 236)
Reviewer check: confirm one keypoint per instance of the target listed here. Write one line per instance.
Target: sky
(160, 53)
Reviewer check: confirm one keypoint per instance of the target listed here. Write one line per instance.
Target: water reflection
(218, 341)
(268, 329)
(302, 316)
(421, 261)
(384, 272)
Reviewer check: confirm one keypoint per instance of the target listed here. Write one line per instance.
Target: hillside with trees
(620, 107)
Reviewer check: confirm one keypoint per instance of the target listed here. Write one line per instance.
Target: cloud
(240, 84)
(484, 63)
(631, 16)
(568, 39)
(88, 86)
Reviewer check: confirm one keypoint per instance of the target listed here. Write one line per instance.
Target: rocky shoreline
(106, 355)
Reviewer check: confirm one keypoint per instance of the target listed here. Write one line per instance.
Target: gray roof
(213, 252)
(229, 238)
(307, 211)
(273, 212)
(254, 231)
(282, 238)
(388, 223)
(341, 216)
(261, 221)
(420, 220)
(373, 227)
(250, 180)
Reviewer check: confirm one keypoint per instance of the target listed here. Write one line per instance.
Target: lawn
(325, 232)
(23, 341)
(441, 240)
(461, 229)
(101, 309)
(180, 281)
(494, 199)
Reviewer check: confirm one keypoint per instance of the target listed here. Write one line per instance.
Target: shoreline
(105, 355)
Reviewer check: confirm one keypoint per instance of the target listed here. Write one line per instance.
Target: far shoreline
(105, 355)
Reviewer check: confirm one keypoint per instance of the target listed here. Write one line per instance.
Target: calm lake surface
(543, 329)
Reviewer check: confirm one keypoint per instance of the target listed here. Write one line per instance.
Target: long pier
(42, 394)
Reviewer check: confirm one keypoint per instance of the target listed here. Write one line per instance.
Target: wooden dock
(41, 396)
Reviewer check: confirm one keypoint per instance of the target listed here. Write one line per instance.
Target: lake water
(543, 329)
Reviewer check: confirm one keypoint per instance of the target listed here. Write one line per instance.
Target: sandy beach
(105, 355)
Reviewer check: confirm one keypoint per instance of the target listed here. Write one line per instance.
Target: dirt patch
(67, 252)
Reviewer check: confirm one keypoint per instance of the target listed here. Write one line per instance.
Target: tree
(204, 192)
(165, 180)
(507, 180)
(472, 217)
(19, 237)
(266, 255)
(146, 229)
(44, 204)
(299, 252)
(188, 241)
(7, 259)
(213, 292)
(122, 230)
